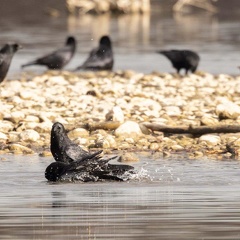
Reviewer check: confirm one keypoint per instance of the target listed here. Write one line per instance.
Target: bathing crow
(6, 54)
(64, 150)
(94, 169)
(100, 58)
(59, 58)
(185, 59)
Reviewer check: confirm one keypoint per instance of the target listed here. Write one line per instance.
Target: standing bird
(64, 150)
(59, 58)
(185, 59)
(6, 55)
(100, 58)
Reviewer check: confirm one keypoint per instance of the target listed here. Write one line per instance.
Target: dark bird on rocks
(6, 55)
(59, 58)
(185, 59)
(94, 169)
(66, 151)
(100, 58)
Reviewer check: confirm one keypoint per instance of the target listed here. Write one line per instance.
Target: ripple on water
(171, 198)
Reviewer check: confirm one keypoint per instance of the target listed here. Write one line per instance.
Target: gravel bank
(107, 110)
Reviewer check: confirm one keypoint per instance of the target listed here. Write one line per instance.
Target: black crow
(64, 150)
(185, 59)
(59, 58)
(94, 169)
(100, 58)
(6, 54)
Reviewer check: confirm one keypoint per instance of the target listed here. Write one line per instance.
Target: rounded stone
(3, 136)
(128, 129)
(129, 157)
(6, 126)
(18, 149)
(78, 132)
(228, 110)
(29, 135)
(116, 114)
(210, 139)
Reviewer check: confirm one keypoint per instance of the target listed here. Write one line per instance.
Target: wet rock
(154, 146)
(128, 129)
(19, 149)
(29, 135)
(45, 154)
(129, 157)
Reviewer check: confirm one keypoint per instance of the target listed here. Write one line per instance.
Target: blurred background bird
(57, 59)
(6, 55)
(182, 59)
(100, 58)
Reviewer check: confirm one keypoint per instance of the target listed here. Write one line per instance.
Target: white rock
(128, 129)
(44, 127)
(116, 114)
(17, 116)
(27, 95)
(13, 137)
(111, 141)
(3, 136)
(6, 126)
(210, 138)
(173, 111)
(58, 80)
(144, 103)
(18, 148)
(31, 118)
(78, 132)
(228, 110)
(29, 135)
(209, 121)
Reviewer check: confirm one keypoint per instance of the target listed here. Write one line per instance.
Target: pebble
(210, 139)
(29, 135)
(19, 149)
(78, 132)
(228, 110)
(129, 157)
(128, 129)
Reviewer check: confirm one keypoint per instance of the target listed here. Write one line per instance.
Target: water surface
(135, 37)
(173, 198)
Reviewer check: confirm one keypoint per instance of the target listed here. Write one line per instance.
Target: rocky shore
(109, 109)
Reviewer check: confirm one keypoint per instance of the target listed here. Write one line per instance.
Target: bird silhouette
(185, 59)
(57, 59)
(6, 55)
(100, 58)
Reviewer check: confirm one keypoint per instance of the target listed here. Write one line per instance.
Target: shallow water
(173, 198)
(135, 37)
